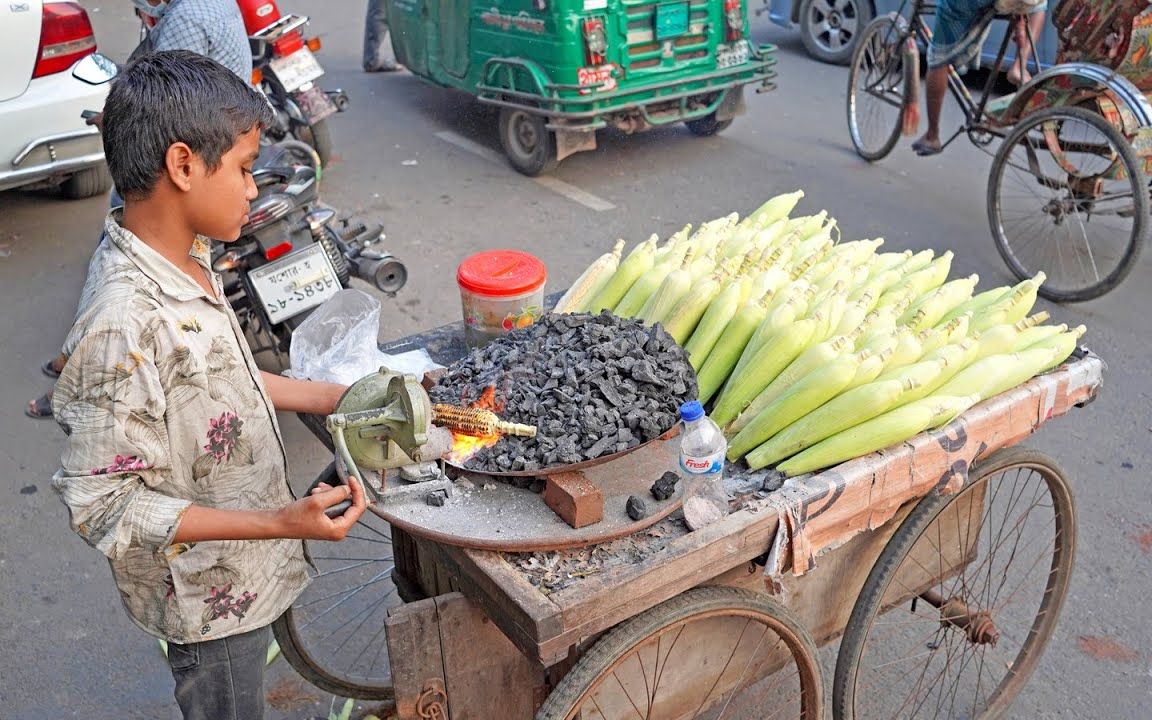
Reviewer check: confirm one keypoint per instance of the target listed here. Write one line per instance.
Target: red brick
(574, 498)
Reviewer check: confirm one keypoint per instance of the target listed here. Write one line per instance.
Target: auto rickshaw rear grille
(644, 51)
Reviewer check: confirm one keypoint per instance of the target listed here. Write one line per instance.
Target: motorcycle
(284, 66)
(295, 252)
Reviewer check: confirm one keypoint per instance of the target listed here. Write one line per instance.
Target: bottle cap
(691, 411)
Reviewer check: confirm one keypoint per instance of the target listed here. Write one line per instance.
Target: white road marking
(560, 187)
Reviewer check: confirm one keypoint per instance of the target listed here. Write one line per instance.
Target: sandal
(40, 408)
(50, 371)
(924, 149)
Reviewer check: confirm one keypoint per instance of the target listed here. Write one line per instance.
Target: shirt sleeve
(181, 31)
(110, 403)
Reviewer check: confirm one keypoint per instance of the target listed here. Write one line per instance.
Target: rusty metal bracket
(433, 701)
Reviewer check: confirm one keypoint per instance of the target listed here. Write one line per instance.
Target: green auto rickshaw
(559, 70)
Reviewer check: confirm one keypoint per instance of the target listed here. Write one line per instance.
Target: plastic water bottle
(702, 450)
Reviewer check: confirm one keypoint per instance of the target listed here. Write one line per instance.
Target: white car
(43, 139)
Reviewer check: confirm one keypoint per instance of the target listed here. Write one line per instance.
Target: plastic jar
(500, 290)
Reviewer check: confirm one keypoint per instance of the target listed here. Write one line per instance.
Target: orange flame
(465, 446)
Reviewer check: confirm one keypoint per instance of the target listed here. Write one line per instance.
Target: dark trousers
(221, 679)
(376, 55)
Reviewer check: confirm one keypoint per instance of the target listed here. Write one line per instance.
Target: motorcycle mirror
(318, 218)
(94, 69)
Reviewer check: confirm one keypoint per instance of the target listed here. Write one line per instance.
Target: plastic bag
(337, 343)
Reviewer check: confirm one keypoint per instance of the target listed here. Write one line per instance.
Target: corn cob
(671, 289)
(1030, 336)
(644, 287)
(1000, 339)
(729, 347)
(594, 277)
(807, 394)
(996, 373)
(851, 408)
(775, 209)
(807, 225)
(853, 318)
(712, 325)
(638, 262)
(674, 246)
(919, 374)
(1062, 346)
(917, 262)
(770, 236)
(892, 427)
(1012, 307)
(766, 282)
(815, 246)
(883, 262)
(814, 357)
(477, 421)
(870, 367)
(777, 352)
(952, 359)
(978, 302)
(944, 334)
(932, 308)
(857, 252)
(908, 349)
(681, 321)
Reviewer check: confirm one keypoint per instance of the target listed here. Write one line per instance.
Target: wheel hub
(834, 20)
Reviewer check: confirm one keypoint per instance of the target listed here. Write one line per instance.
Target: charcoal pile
(593, 385)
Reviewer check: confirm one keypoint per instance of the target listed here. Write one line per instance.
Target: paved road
(422, 161)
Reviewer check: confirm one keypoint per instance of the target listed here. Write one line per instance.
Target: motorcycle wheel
(318, 137)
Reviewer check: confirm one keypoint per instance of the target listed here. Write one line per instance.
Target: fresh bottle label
(703, 465)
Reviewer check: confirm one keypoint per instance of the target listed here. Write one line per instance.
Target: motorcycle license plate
(296, 69)
(738, 54)
(295, 283)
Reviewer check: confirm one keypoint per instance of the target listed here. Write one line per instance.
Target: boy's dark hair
(174, 96)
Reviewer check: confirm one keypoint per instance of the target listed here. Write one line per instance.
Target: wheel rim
(337, 624)
(524, 135)
(969, 657)
(1065, 200)
(715, 664)
(876, 94)
(833, 24)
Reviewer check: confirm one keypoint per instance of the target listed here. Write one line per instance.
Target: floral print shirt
(164, 407)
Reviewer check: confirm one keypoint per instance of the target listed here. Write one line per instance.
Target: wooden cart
(941, 563)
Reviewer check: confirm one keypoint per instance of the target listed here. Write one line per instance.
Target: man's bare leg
(937, 84)
(1018, 74)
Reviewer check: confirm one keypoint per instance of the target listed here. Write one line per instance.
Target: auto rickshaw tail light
(734, 17)
(595, 41)
(313, 44)
(257, 77)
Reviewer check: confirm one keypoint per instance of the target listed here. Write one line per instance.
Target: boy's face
(218, 201)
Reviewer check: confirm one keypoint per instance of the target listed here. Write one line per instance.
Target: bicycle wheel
(710, 653)
(957, 611)
(877, 87)
(1068, 195)
(333, 635)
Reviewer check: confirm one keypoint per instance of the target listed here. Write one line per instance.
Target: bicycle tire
(1055, 288)
(878, 39)
(871, 599)
(698, 604)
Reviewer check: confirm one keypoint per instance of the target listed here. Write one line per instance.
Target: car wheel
(87, 183)
(829, 28)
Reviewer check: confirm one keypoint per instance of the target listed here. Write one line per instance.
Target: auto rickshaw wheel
(707, 125)
(527, 141)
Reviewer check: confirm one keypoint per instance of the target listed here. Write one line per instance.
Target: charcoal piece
(644, 371)
(665, 486)
(600, 447)
(436, 498)
(636, 508)
(609, 393)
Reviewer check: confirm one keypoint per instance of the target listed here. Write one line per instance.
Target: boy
(174, 466)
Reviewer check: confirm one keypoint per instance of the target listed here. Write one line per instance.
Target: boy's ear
(179, 164)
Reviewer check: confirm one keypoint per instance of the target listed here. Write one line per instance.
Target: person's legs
(221, 679)
(1018, 74)
(375, 36)
(937, 82)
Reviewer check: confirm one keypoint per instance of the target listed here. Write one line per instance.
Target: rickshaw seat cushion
(1116, 34)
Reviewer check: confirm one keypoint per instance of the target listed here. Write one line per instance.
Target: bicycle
(1067, 193)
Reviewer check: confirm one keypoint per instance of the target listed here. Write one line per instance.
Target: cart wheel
(957, 611)
(529, 145)
(690, 657)
(707, 125)
(333, 635)
(1068, 195)
(878, 83)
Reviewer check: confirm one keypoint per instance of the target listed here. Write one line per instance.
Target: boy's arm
(292, 395)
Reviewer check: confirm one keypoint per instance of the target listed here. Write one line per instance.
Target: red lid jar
(500, 291)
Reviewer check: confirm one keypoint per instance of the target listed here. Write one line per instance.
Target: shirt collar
(171, 280)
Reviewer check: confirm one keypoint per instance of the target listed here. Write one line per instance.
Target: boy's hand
(305, 518)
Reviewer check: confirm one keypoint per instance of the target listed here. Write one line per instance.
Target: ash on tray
(555, 570)
(593, 386)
